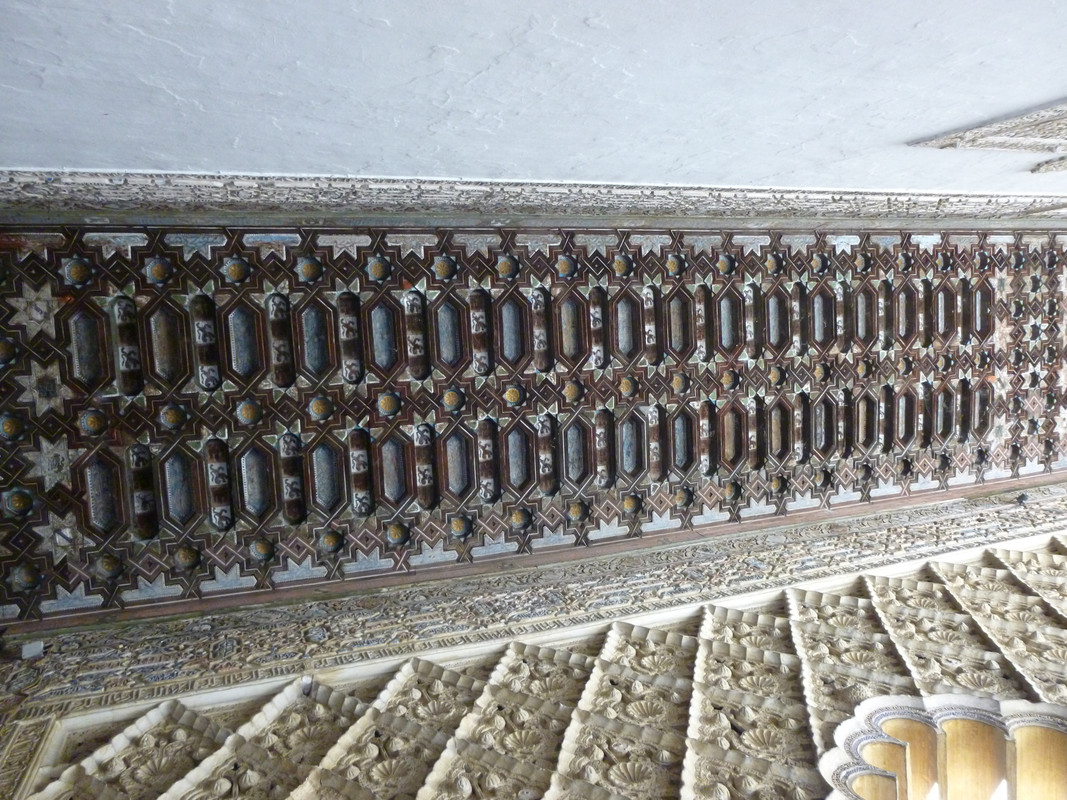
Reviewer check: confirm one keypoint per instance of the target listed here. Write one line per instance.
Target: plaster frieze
(72, 197)
(1041, 131)
(729, 699)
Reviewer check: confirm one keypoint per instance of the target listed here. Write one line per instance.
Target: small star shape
(44, 388)
(59, 536)
(35, 311)
(52, 462)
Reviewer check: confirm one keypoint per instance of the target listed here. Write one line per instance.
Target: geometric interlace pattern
(199, 414)
(725, 703)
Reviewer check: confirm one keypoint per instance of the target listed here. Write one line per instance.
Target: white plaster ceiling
(767, 93)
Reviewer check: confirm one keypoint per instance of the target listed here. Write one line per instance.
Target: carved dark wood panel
(190, 413)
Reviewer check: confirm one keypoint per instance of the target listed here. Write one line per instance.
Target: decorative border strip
(1041, 131)
(43, 195)
(23, 743)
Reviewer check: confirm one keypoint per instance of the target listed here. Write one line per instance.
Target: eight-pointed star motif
(59, 536)
(52, 462)
(44, 388)
(35, 311)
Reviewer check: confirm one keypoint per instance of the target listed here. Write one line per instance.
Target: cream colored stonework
(725, 671)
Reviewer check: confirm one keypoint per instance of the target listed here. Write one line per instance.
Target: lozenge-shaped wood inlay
(576, 387)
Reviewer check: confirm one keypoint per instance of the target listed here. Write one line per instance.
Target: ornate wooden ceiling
(196, 413)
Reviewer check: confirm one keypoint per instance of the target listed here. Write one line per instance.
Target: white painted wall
(794, 94)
